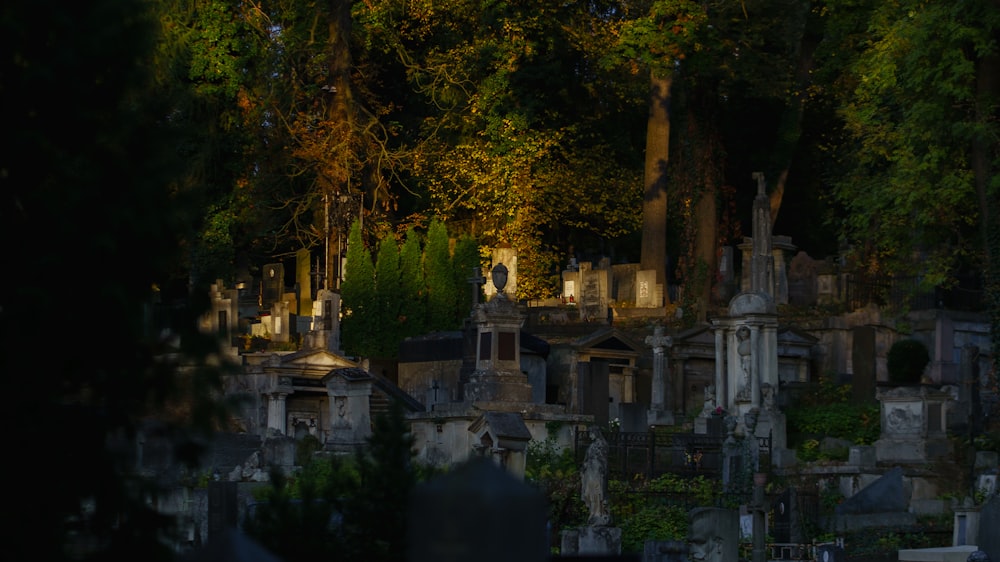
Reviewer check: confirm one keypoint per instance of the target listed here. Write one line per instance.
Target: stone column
(276, 411)
(721, 390)
(755, 365)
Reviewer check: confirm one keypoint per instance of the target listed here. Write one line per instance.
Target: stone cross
(762, 260)
(659, 343)
(477, 281)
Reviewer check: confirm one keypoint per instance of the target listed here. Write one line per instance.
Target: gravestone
(593, 299)
(645, 289)
(863, 376)
(477, 512)
(303, 282)
(802, 273)
(623, 283)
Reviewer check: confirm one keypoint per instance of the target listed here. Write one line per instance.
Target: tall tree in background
(389, 296)
(97, 182)
(653, 38)
(440, 279)
(359, 328)
(921, 186)
(413, 309)
(521, 146)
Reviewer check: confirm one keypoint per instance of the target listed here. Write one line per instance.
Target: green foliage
(442, 294)
(305, 449)
(359, 330)
(413, 309)
(389, 299)
(907, 360)
(555, 472)
(350, 508)
(827, 411)
(96, 183)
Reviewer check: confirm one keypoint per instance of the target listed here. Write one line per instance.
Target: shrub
(907, 360)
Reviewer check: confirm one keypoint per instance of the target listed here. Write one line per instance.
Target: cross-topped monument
(762, 260)
(477, 281)
(658, 413)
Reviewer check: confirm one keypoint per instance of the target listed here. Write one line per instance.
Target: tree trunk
(338, 110)
(705, 247)
(654, 206)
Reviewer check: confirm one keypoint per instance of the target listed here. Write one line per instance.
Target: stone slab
(942, 554)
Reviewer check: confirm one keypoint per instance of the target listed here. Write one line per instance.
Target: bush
(907, 360)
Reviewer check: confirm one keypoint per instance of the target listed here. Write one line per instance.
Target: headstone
(802, 273)
(781, 246)
(863, 376)
(942, 369)
(623, 283)
(303, 280)
(645, 289)
(786, 527)
(477, 512)
(714, 534)
(593, 299)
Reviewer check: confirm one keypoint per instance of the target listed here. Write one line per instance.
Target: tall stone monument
(498, 376)
(746, 342)
(658, 414)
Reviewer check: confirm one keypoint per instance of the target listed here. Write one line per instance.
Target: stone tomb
(914, 424)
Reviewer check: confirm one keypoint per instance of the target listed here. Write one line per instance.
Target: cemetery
(669, 427)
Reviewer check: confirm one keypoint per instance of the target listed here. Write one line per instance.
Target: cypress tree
(358, 330)
(388, 296)
(413, 308)
(440, 281)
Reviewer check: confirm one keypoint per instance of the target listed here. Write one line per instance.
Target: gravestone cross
(477, 281)
(762, 262)
(659, 343)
